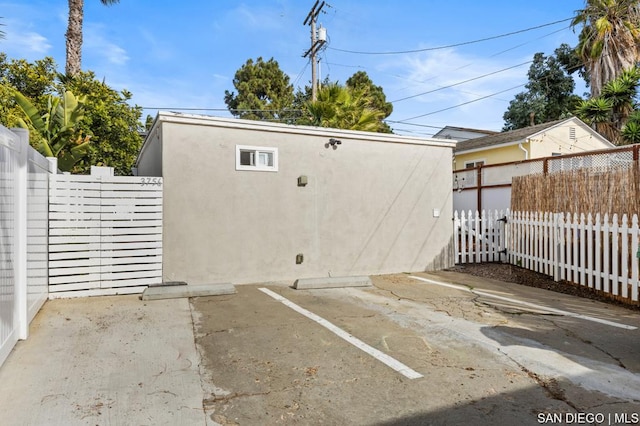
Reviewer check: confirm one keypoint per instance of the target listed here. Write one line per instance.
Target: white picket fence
(105, 234)
(599, 252)
(479, 237)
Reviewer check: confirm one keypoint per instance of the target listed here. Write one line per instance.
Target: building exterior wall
(500, 154)
(569, 137)
(561, 140)
(149, 162)
(374, 204)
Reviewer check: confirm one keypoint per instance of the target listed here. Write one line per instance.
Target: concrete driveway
(502, 354)
(441, 348)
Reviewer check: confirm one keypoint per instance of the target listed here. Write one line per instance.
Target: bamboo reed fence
(579, 191)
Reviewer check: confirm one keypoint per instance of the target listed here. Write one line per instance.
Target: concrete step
(331, 282)
(179, 291)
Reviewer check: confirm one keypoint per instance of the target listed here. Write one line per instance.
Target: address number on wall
(151, 181)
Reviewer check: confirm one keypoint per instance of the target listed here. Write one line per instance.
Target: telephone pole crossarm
(315, 45)
(313, 13)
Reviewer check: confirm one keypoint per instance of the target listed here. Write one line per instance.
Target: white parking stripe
(523, 303)
(380, 356)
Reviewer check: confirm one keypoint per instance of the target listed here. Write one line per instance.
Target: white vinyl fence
(105, 235)
(599, 252)
(24, 175)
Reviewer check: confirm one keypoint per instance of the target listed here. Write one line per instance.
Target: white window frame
(257, 150)
(476, 163)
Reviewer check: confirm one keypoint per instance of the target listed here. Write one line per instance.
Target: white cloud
(22, 42)
(115, 54)
(29, 42)
(444, 68)
(435, 76)
(265, 18)
(97, 45)
(155, 49)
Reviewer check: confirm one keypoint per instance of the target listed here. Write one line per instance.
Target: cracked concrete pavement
(484, 360)
(249, 359)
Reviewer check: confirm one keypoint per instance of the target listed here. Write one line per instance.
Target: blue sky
(184, 54)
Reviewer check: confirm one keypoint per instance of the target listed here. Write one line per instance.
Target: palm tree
(609, 39)
(612, 111)
(74, 35)
(342, 107)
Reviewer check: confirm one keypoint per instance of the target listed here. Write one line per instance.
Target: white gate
(479, 237)
(105, 234)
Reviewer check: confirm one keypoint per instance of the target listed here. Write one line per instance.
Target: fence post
(20, 231)
(624, 264)
(590, 250)
(599, 252)
(555, 244)
(456, 233)
(479, 189)
(615, 233)
(635, 258)
(463, 236)
(504, 235)
(606, 238)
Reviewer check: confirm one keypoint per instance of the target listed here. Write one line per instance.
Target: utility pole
(317, 40)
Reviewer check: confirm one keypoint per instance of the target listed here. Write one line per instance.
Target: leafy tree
(300, 113)
(32, 80)
(108, 119)
(57, 128)
(375, 97)
(571, 62)
(35, 81)
(74, 35)
(614, 113)
(609, 41)
(112, 122)
(264, 92)
(549, 95)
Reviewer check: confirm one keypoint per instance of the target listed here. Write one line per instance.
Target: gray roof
(467, 129)
(505, 137)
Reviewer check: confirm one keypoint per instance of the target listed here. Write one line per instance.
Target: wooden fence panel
(105, 234)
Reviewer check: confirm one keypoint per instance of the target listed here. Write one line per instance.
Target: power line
(455, 69)
(461, 82)
(187, 109)
(223, 109)
(527, 42)
(451, 45)
(462, 104)
(300, 74)
(413, 124)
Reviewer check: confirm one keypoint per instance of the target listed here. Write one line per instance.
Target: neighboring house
(567, 136)
(248, 201)
(462, 133)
